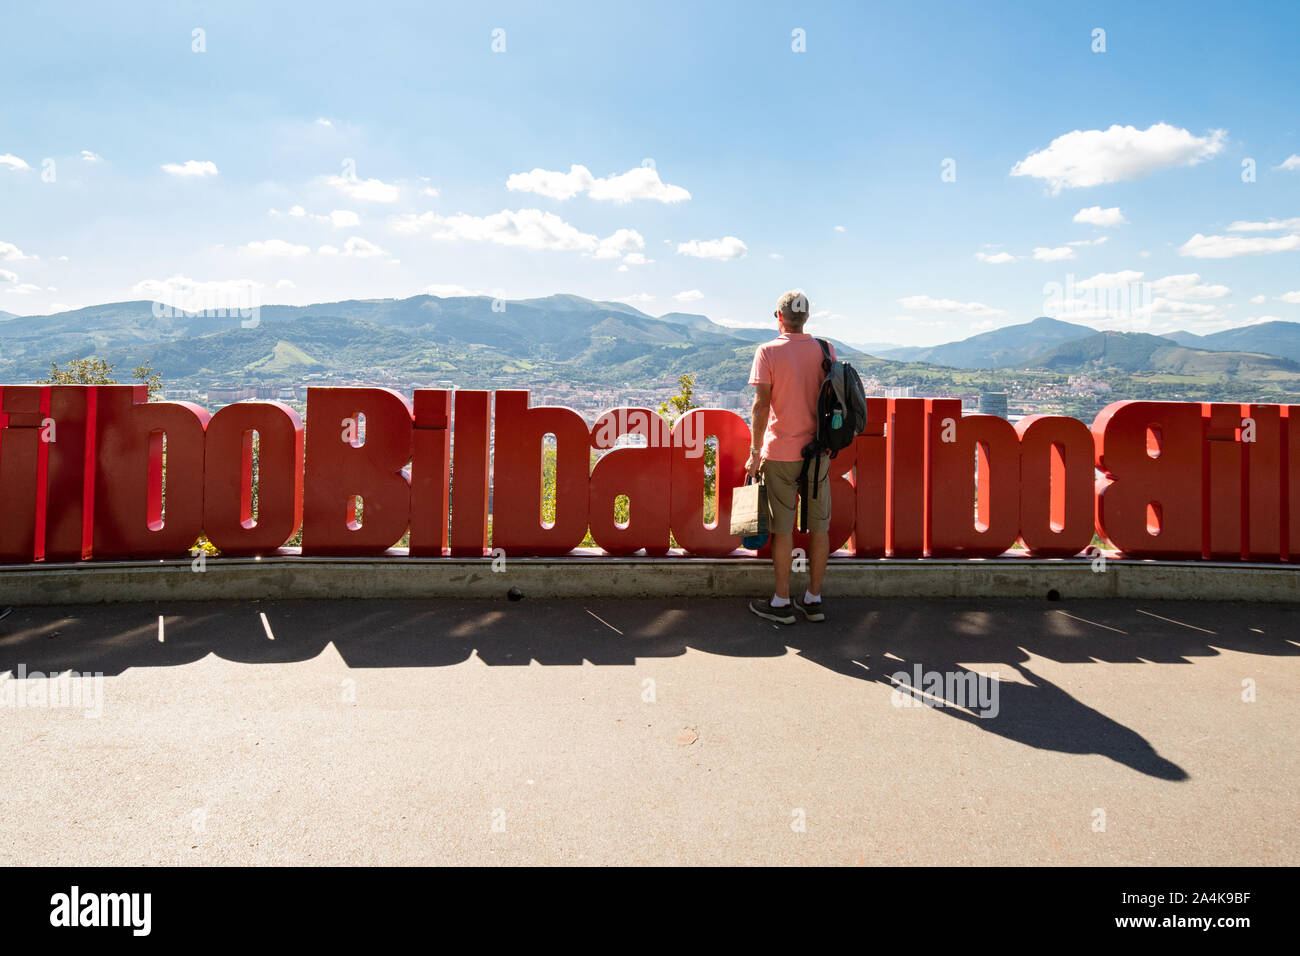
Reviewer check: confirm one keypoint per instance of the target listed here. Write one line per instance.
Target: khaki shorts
(782, 481)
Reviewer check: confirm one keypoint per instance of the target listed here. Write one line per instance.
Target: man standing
(787, 377)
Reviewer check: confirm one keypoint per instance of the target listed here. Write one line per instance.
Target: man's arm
(758, 425)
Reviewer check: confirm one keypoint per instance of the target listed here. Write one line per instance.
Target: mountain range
(466, 339)
(568, 338)
(1007, 347)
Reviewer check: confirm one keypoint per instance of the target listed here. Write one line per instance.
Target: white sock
(810, 598)
(779, 601)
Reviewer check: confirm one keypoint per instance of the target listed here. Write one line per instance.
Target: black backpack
(841, 415)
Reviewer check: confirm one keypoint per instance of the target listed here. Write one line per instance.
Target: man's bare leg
(782, 547)
(819, 544)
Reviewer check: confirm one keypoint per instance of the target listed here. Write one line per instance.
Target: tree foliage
(96, 371)
(674, 408)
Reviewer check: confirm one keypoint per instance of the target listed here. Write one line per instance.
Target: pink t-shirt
(792, 364)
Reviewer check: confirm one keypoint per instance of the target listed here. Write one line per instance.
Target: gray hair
(793, 307)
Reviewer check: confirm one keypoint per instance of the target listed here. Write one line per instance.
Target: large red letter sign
(471, 446)
(690, 434)
(517, 477)
(228, 478)
(431, 472)
(1149, 506)
(344, 471)
(981, 450)
(870, 483)
(641, 472)
(140, 512)
(20, 442)
(1056, 485)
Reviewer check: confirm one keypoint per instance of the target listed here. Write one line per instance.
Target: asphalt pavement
(663, 732)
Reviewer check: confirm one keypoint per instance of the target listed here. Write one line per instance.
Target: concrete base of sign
(592, 574)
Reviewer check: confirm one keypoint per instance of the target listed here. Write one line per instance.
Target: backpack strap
(826, 354)
(802, 484)
(811, 453)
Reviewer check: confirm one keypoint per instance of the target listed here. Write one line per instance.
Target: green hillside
(1138, 352)
(1012, 345)
(577, 341)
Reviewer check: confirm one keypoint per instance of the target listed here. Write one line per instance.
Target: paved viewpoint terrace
(653, 731)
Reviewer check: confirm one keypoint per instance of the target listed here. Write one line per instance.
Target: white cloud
(322, 121)
(8, 276)
(1110, 280)
(12, 161)
(1093, 157)
(25, 289)
(689, 295)
(1122, 300)
(623, 241)
(551, 184)
(359, 248)
(365, 190)
(1144, 254)
(191, 168)
(11, 253)
(1292, 297)
(276, 247)
(996, 258)
(1188, 286)
(429, 191)
(191, 295)
(839, 228)
(775, 255)
(286, 284)
(91, 157)
(640, 183)
(948, 305)
(636, 297)
(726, 248)
(1044, 254)
(339, 218)
(1258, 299)
(1292, 162)
(636, 259)
(327, 251)
(452, 291)
(1172, 308)
(1273, 225)
(1229, 247)
(525, 228)
(1100, 240)
(410, 224)
(1096, 216)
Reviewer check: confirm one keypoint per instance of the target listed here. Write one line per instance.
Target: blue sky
(322, 151)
